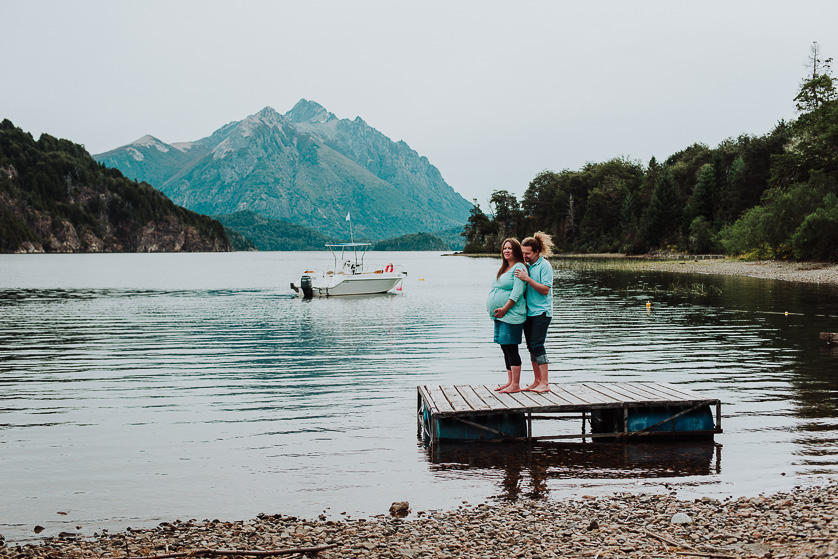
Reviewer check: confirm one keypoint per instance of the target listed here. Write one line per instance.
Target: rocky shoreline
(806, 272)
(799, 523)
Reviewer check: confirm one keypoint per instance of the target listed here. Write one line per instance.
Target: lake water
(138, 388)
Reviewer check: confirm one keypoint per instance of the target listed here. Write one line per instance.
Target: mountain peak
(267, 116)
(149, 141)
(309, 111)
(267, 112)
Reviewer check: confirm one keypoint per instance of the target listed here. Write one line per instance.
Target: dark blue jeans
(535, 330)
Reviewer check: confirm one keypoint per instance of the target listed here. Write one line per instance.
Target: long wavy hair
(539, 242)
(517, 255)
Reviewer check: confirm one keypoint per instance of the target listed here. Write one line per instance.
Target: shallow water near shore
(140, 388)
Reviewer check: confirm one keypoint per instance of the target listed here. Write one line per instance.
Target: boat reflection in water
(349, 276)
(525, 470)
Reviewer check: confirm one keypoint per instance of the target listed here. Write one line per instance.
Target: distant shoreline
(805, 272)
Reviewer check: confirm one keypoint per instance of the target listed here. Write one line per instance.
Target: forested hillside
(55, 198)
(414, 241)
(769, 196)
(273, 234)
(453, 238)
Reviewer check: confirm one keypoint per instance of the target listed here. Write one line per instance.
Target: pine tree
(701, 201)
(507, 213)
(817, 88)
(663, 219)
(476, 230)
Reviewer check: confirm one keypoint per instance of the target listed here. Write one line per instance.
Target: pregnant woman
(508, 309)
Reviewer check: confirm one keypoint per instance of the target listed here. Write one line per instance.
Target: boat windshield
(345, 248)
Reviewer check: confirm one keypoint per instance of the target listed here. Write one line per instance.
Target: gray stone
(681, 518)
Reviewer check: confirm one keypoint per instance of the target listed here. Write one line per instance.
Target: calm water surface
(141, 388)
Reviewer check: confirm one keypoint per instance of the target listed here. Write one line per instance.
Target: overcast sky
(491, 92)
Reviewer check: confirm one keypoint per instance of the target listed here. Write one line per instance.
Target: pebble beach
(799, 523)
(806, 272)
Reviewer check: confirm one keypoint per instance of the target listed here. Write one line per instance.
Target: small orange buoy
(648, 304)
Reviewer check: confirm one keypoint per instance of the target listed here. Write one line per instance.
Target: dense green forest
(453, 237)
(239, 242)
(54, 197)
(415, 241)
(769, 196)
(271, 234)
(252, 231)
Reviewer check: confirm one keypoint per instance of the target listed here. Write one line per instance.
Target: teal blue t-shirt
(542, 272)
(507, 287)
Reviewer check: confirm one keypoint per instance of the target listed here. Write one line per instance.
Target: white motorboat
(349, 276)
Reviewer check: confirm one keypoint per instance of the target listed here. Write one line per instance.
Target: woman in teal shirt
(508, 309)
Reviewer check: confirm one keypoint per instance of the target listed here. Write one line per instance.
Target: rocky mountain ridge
(306, 167)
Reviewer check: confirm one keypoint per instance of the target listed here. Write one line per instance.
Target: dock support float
(614, 411)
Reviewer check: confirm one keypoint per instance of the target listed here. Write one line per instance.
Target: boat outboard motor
(305, 285)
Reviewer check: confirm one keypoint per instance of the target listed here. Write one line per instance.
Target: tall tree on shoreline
(818, 88)
(663, 219)
(508, 216)
(477, 229)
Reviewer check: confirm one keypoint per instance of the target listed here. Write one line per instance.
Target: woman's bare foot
(511, 389)
(509, 380)
(541, 388)
(530, 387)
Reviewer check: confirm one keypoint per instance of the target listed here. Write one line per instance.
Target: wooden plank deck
(449, 401)
(463, 402)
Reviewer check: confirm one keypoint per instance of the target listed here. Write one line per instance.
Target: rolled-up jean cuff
(535, 329)
(540, 359)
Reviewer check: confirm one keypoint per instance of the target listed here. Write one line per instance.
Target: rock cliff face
(307, 167)
(168, 235)
(55, 198)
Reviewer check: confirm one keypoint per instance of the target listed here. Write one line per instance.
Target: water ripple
(151, 387)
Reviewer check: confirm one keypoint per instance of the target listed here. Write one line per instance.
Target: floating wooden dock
(613, 410)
